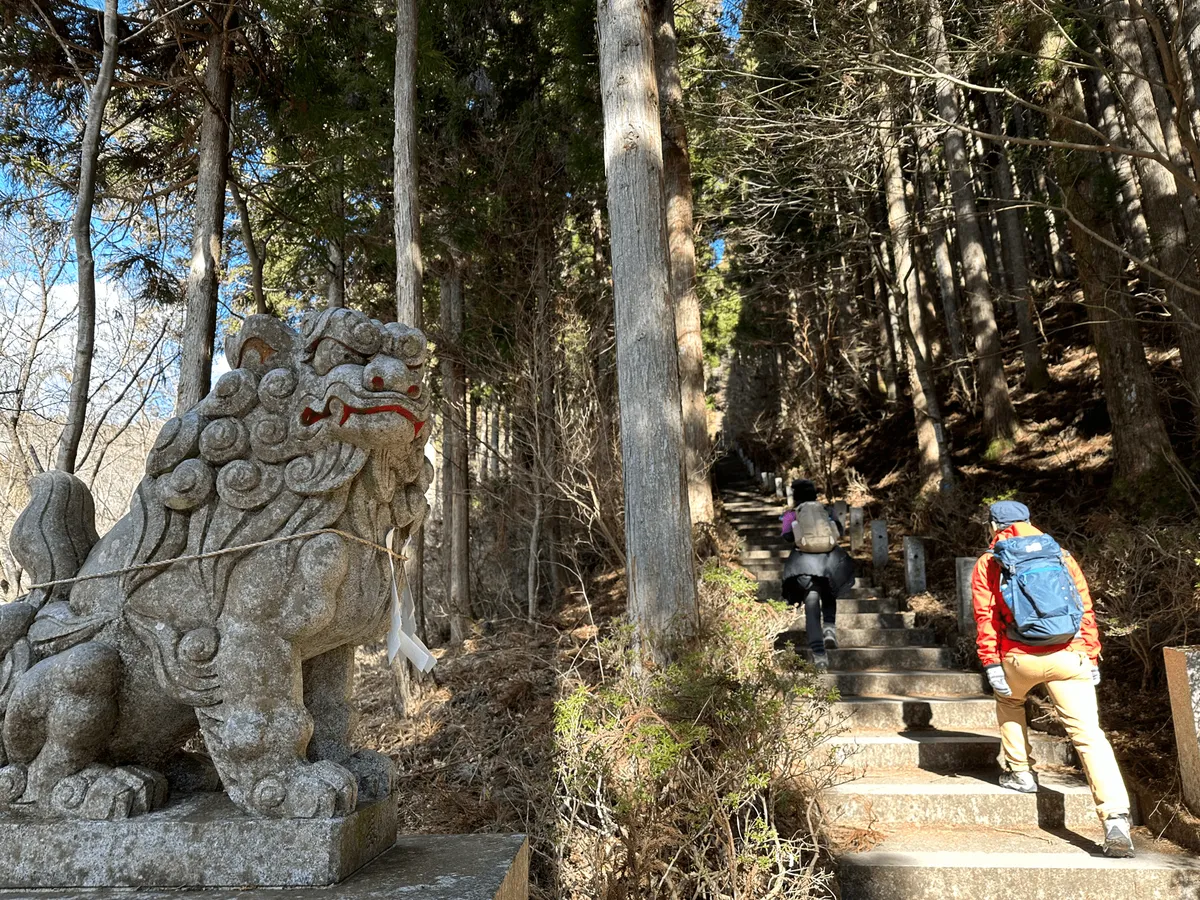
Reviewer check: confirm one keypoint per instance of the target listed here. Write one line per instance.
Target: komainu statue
(229, 601)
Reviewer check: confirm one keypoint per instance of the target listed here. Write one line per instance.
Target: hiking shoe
(820, 661)
(830, 637)
(1019, 781)
(1117, 841)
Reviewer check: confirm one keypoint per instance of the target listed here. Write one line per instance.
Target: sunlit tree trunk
(81, 230)
(681, 242)
(204, 276)
(936, 471)
(1161, 198)
(456, 524)
(661, 581)
(999, 416)
(1037, 376)
(254, 254)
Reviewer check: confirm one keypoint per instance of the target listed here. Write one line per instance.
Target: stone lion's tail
(54, 534)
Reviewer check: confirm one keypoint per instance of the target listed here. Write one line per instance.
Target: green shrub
(699, 780)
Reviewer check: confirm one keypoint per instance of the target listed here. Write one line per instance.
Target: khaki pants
(1067, 675)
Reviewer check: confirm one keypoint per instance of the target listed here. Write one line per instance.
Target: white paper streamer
(402, 637)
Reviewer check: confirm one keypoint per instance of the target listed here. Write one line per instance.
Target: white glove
(1095, 675)
(995, 677)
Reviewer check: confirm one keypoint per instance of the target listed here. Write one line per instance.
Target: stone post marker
(791, 500)
(964, 566)
(1183, 681)
(779, 487)
(879, 547)
(914, 565)
(856, 529)
(768, 478)
(841, 512)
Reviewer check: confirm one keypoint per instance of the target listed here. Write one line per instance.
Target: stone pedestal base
(428, 867)
(201, 840)
(1183, 681)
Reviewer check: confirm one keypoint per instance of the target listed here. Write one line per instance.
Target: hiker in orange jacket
(1069, 671)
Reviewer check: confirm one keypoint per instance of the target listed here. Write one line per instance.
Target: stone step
(769, 583)
(916, 798)
(1015, 864)
(866, 637)
(875, 620)
(858, 659)
(895, 713)
(912, 683)
(940, 751)
(885, 637)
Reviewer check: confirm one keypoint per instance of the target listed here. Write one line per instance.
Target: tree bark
(253, 254)
(681, 242)
(335, 247)
(999, 416)
(1160, 195)
(661, 581)
(406, 200)
(456, 525)
(1142, 455)
(407, 233)
(1037, 376)
(85, 263)
(204, 276)
(936, 472)
(1100, 97)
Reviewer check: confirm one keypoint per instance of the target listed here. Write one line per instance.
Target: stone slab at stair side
(200, 841)
(421, 867)
(1183, 682)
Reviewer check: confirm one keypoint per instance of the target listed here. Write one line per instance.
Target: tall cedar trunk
(943, 266)
(1177, 130)
(1160, 196)
(335, 249)
(1103, 109)
(1037, 376)
(1179, 46)
(661, 581)
(885, 361)
(999, 417)
(456, 526)
(406, 224)
(494, 440)
(254, 255)
(681, 242)
(1142, 455)
(81, 230)
(936, 472)
(204, 276)
(890, 316)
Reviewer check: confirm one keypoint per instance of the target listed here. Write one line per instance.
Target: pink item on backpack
(788, 519)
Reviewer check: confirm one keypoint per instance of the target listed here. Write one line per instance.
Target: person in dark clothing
(814, 580)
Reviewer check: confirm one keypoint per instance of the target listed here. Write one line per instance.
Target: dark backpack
(1042, 599)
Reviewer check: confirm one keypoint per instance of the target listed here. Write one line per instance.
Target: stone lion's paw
(12, 783)
(106, 792)
(376, 774)
(319, 790)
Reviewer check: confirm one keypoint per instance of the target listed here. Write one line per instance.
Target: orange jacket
(992, 614)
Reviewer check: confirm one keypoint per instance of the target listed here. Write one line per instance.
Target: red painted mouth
(309, 417)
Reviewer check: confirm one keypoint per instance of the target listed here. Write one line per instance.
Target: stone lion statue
(248, 569)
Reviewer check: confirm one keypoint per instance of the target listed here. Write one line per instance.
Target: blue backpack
(1044, 603)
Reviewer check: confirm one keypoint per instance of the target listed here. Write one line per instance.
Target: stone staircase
(919, 750)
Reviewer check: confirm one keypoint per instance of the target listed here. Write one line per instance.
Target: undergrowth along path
(920, 815)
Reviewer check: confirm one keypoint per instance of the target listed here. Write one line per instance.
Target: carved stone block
(200, 841)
